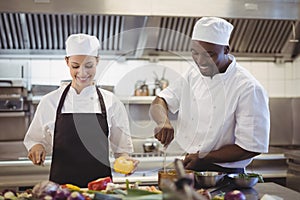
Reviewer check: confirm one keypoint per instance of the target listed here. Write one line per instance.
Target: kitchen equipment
(150, 147)
(208, 178)
(293, 173)
(171, 175)
(181, 188)
(14, 116)
(244, 180)
(141, 89)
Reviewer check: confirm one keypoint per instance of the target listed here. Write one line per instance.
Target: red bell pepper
(99, 184)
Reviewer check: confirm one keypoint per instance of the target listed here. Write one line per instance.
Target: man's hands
(164, 133)
(37, 154)
(192, 161)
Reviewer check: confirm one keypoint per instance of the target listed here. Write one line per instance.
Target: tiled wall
(280, 80)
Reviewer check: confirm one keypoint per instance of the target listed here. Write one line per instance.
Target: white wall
(280, 80)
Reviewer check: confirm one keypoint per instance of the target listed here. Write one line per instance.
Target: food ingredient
(70, 187)
(234, 195)
(123, 166)
(251, 175)
(99, 184)
(75, 196)
(204, 192)
(62, 193)
(44, 188)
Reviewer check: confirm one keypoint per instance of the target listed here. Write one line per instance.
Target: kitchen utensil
(244, 180)
(141, 89)
(171, 175)
(150, 147)
(208, 178)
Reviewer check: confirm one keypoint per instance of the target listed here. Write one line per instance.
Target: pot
(150, 147)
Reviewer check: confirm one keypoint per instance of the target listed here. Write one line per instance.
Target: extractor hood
(263, 29)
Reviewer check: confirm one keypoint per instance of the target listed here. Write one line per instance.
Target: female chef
(79, 122)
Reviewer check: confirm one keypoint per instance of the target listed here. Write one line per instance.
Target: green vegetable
(127, 184)
(251, 175)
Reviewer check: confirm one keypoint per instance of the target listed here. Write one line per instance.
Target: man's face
(210, 58)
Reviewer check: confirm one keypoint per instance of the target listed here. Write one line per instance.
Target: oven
(14, 118)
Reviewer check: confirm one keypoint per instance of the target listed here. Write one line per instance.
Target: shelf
(136, 99)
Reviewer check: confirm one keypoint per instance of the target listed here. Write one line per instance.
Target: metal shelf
(136, 99)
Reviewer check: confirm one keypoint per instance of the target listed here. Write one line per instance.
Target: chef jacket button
(92, 98)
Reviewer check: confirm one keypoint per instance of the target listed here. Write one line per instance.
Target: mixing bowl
(208, 178)
(245, 180)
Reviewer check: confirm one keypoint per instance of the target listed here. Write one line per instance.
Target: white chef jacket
(41, 129)
(229, 108)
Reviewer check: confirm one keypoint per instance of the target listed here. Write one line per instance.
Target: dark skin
(211, 59)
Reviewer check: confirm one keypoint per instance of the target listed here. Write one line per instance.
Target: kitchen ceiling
(24, 32)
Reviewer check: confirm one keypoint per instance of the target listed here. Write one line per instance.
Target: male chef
(223, 114)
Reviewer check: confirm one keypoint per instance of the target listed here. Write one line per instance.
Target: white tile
(296, 67)
(289, 71)
(276, 71)
(290, 88)
(247, 65)
(276, 88)
(59, 71)
(40, 68)
(260, 70)
(297, 88)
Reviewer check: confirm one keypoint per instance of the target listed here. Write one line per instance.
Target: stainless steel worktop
(21, 171)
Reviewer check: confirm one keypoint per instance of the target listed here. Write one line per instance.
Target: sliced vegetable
(62, 194)
(99, 184)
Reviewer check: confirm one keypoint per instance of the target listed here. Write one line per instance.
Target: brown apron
(80, 146)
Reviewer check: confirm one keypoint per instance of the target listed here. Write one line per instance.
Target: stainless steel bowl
(208, 178)
(244, 181)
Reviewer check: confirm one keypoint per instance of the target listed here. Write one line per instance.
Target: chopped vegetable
(250, 175)
(123, 166)
(75, 196)
(71, 187)
(45, 188)
(9, 195)
(99, 184)
(62, 193)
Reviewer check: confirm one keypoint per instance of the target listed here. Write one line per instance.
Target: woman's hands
(37, 154)
(128, 160)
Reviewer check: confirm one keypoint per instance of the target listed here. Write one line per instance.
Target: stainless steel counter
(21, 172)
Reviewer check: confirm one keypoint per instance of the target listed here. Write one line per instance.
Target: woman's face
(82, 70)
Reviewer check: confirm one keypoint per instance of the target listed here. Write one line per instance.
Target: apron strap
(64, 94)
(102, 104)
(62, 99)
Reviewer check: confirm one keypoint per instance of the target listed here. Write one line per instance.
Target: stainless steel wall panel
(281, 132)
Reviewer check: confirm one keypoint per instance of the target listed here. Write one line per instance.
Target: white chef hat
(82, 44)
(213, 30)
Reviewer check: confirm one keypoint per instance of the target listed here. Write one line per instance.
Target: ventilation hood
(263, 29)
